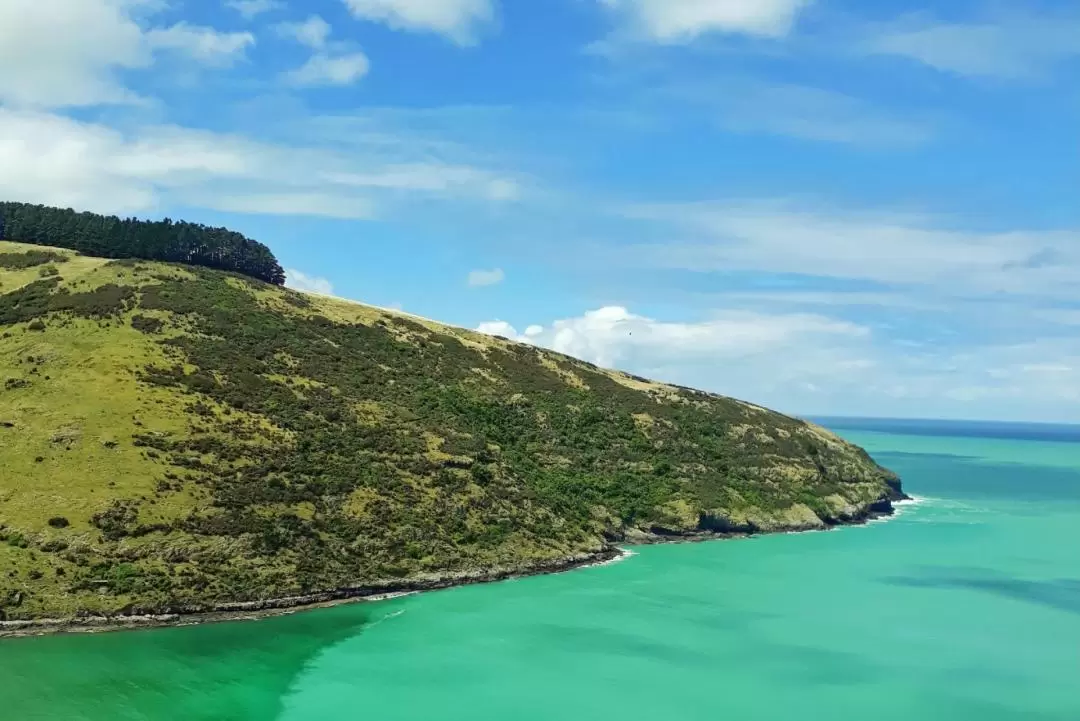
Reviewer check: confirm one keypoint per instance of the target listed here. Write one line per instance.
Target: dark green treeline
(113, 237)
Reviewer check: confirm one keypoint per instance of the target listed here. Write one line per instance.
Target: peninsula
(181, 434)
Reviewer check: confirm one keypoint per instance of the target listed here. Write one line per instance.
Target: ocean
(964, 607)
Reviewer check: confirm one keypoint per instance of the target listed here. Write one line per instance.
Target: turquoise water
(965, 607)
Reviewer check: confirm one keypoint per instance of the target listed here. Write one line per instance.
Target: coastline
(386, 590)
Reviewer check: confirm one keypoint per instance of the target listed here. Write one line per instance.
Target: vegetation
(176, 437)
(112, 237)
(29, 259)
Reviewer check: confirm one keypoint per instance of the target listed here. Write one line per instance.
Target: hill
(178, 438)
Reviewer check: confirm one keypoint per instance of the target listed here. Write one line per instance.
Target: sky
(831, 207)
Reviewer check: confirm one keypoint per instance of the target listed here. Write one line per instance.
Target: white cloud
(55, 160)
(251, 9)
(328, 70)
(309, 283)
(480, 278)
(679, 21)
(68, 52)
(613, 336)
(808, 363)
(458, 20)
(965, 323)
(498, 327)
(1014, 47)
(323, 68)
(313, 32)
(59, 53)
(60, 161)
(886, 248)
(203, 44)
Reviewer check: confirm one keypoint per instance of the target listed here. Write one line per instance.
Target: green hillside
(176, 437)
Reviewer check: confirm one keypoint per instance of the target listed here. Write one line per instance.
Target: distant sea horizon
(1016, 430)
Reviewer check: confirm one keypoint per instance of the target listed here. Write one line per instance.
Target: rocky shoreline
(252, 610)
(878, 510)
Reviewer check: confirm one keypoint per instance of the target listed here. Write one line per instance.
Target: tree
(112, 237)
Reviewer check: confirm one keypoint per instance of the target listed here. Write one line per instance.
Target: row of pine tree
(113, 237)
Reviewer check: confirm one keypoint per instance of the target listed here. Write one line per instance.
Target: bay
(964, 607)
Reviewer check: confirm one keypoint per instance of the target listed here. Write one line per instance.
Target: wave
(624, 554)
(901, 508)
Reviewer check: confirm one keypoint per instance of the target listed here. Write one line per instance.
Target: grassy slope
(207, 438)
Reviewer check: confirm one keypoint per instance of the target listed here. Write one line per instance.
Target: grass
(80, 401)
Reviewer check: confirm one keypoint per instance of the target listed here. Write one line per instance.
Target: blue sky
(827, 206)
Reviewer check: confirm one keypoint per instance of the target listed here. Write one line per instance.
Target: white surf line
(624, 554)
(910, 503)
(900, 508)
(386, 596)
(384, 619)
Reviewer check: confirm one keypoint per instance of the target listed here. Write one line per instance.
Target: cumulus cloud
(458, 20)
(324, 69)
(612, 335)
(791, 361)
(499, 328)
(312, 32)
(328, 66)
(809, 363)
(1014, 47)
(480, 278)
(203, 44)
(70, 52)
(56, 160)
(956, 321)
(59, 161)
(297, 280)
(679, 21)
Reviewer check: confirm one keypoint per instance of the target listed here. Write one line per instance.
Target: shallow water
(966, 606)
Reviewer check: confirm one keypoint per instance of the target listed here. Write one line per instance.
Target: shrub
(30, 259)
(146, 324)
(54, 546)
